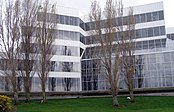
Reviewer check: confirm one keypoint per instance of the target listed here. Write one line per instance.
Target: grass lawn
(142, 104)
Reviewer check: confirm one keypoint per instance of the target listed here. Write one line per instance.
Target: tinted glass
(162, 30)
(138, 33)
(150, 32)
(148, 16)
(137, 19)
(143, 18)
(155, 16)
(144, 32)
(156, 31)
(161, 15)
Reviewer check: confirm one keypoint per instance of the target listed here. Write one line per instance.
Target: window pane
(138, 45)
(161, 15)
(66, 35)
(162, 30)
(76, 21)
(58, 19)
(145, 45)
(138, 33)
(144, 32)
(60, 34)
(125, 20)
(158, 43)
(62, 19)
(148, 15)
(172, 36)
(156, 31)
(155, 16)
(163, 42)
(150, 32)
(67, 22)
(151, 44)
(71, 20)
(137, 19)
(143, 18)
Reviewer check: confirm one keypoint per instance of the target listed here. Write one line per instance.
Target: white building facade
(73, 66)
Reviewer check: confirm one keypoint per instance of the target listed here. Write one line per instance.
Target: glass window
(151, 44)
(169, 36)
(137, 19)
(60, 34)
(138, 33)
(155, 16)
(87, 26)
(138, 45)
(82, 24)
(145, 45)
(172, 36)
(144, 32)
(62, 21)
(66, 35)
(77, 36)
(149, 18)
(119, 21)
(76, 21)
(82, 39)
(158, 43)
(143, 18)
(125, 20)
(67, 22)
(161, 15)
(156, 31)
(71, 21)
(163, 42)
(167, 57)
(150, 32)
(162, 30)
(58, 19)
(92, 26)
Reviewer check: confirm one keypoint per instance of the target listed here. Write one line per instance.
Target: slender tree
(28, 26)
(104, 32)
(45, 36)
(139, 70)
(10, 43)
(127, 48)
(67, 67)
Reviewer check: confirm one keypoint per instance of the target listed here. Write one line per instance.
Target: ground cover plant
(142, 104)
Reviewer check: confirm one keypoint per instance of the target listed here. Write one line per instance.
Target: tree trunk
(115, 100)
(27, 85)
(27, 95)
(16, 98)
(132, 99)
(44, 100)
(131, 92)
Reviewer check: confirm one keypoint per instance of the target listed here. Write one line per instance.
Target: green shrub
(5, 104)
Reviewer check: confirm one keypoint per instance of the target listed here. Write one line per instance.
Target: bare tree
(67, 67)
(10, 43)
(139, 70)
(28, 25)
(127, 48)
(45, 35)
(67, 83)
(104, 33)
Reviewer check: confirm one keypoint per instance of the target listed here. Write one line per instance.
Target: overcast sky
(84, 6)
